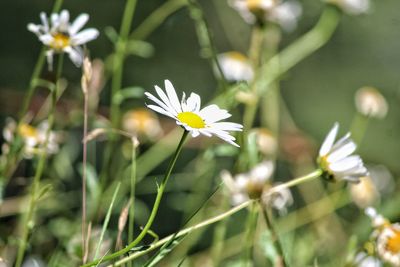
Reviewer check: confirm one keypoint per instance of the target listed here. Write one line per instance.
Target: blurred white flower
(362, 259)
(61, 36)
(235, 67)
(34, 138)
(254, 185)
(335, 159)
(352, 7)
(371, 103)
(188, 114)
(386, 236)
(141, 122)
(284, 13)
(364, 193)
(267, 144)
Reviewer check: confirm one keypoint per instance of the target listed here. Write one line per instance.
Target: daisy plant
(194, 120)
(61, 36)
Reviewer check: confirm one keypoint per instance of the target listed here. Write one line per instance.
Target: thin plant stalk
(27, 222)
(359, 127)
(106, 221)
(119, 58)
(132, 194)
(251, 224)
(116, 81)
(84, 163)
(276, 241)
(154, 210)
(219, 235)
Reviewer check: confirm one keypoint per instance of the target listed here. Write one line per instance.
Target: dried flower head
(235, 67)
(61, 36)
(266, 141)
(371, 103)
(336, 159)
(386, 236)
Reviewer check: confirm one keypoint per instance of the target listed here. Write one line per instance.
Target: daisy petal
(173, 98)
(84, 36)
(329, 140)
(78, 23)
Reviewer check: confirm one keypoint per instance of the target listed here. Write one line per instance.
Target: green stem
(119, 59)
(301, 48)
(27, 222)
(308, 177)
(277, 243)
(359, 127)
(251, 224)
(156, 19)
(132, 195)
(37, 70)
(154, 211)
(219, 235)
(183, 232)
(205, 39)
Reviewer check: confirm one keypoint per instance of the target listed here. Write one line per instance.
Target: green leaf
(111, 34)
(140, 48)
(128, 93)
(164, 250)
(267, 246)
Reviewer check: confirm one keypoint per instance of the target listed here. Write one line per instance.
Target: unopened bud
(371, 103)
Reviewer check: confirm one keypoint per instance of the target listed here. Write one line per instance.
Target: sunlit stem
(205, 223)
(154, 211)
(306, 178)
(27, 222)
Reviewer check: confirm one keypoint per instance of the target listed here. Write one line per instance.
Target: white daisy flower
(235, 67)
(187, 113)
(352, 7)
(336, 159)
(33, 137)
(362, 259)
(371, 103)
(61, 36)
(284, 13)
(386, 236)
(254, 184)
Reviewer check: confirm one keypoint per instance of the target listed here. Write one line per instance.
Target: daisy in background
(34, 138)
(336, 159)
(143, 123)
(254, 185)
(352, 7)
(284, 13)
(187, 113)
(386, 237)
(61, 36)
(235, 67)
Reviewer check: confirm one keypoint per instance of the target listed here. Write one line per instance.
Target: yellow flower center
(393, 243)
(237, 56)
(26, 130)
(191, 119)
(254, 5)
(60, 41)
